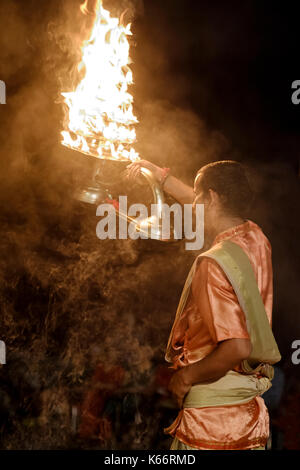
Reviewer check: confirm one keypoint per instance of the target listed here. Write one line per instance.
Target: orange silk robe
(213, 314)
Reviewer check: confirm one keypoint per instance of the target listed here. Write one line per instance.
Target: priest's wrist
(164, 173)
(186, 376)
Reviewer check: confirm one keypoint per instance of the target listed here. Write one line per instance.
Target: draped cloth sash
(235, 387)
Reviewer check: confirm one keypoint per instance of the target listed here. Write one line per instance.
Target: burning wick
(100, 119)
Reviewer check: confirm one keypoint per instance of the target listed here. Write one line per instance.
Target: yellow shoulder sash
(238, 269)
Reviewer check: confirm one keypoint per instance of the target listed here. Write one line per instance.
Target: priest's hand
(227, 355)
(133, 170)
(179, 387)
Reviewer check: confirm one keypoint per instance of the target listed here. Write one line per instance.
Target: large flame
(100, 113)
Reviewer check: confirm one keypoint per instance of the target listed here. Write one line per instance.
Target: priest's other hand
(179, 387)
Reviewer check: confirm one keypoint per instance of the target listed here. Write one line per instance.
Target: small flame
(100, 111)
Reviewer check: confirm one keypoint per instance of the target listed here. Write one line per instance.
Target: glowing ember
(101, 120)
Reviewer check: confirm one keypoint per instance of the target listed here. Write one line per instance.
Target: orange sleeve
(217, 303)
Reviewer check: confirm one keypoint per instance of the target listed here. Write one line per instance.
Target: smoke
(181, 139)
(69, 301)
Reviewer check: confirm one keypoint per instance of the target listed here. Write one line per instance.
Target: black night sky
(237, 60)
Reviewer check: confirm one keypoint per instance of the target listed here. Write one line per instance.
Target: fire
(100, 110)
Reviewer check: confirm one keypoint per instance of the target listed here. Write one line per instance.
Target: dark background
(212, 81)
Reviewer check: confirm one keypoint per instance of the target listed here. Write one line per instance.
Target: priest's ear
(213, 199)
